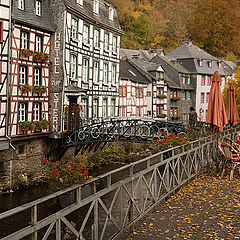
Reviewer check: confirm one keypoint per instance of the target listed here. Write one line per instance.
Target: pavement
(206, 208)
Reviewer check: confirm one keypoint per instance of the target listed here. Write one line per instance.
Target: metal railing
(104, 207)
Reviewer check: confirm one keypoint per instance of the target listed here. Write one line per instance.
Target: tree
(215, 26)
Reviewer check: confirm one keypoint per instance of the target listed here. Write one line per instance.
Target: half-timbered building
(86, 62)
(5, 22)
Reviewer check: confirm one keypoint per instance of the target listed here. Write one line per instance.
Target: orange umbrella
(216, 114)
(231, 106)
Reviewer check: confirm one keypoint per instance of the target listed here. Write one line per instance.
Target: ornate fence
(104, 207)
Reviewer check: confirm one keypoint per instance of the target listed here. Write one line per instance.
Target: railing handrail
(56, 194)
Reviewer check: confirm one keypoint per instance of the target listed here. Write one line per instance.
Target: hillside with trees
(212, 25)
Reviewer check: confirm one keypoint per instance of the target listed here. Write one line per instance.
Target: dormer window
(210, 64)
(111, 14)
(160, 75)
(200, 62)
(219, 64)
(96, 6)
(80, 2)
(21, 4)
(38, 8)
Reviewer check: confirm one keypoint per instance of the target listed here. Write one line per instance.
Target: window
(160, 108)
(104, 108)
(85, 34)
(36, 111)
(38, 8)
(105, 72)
(1, 31)
(174, 93)
(203, 80)
(114, 74)
(21, 4)
(185, 95)
(22, 112)
(209, 64)
(219, 64)
(85, 70)
(37, 76)
(207, 97)
(113, 105)
(160, 75)
(111, 14)
(114, 44)
(96, 6)
(95, 108)
(96, 38)
(208, 80)
(136, 92)
(95, 71)
(160, 91)
(174, 111)
(185, 117)
(73, 67)
(184, 79)
(200, 63)
(85, 107)
(123, 111)
(23, 75)
(123, 91)
(24, 40)
(141, 92)
(106, 41)
(38, 43)
(74, 28)
(189, 95)
(80, 2)
(188, 79)
(202, 97)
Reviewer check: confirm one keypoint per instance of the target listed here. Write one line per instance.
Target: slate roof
(163, 60)
(29, 18)
(87, 11)
(129, 71)
(189, 50)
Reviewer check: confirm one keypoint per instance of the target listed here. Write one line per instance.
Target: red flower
(85, 173)
(70, 172)
(51, 176)
(70, 164)
(44, 160)
(80, 168)
(54, 164)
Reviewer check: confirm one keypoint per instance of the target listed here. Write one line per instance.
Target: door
(73, 113)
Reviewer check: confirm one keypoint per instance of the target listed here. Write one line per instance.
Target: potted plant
(39, 89)
(161, 96)
(25, 126)
(175, 98)
(45, 124)
(38, 126)
(176, 117)
(161, 115)
(40, 57)
(25, 88)
(25, 53)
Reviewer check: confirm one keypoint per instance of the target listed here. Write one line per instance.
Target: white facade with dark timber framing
(90, 71)
(5, 21)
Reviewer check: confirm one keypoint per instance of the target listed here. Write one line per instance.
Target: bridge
(92, 135)
(106, 206)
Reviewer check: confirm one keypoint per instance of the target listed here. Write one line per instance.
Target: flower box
(161, 115)
(161, 96)
(26, 126)
(25, 54)
(40, 125)
(175, 98)
(39, 89)
(40, 57)
(25, 88)
(176, 117)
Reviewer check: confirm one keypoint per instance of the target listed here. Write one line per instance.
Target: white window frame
(114, 74)
(73, 67)
(22, 112)
(74, 24)
(36, 111)
(37, 76)
(96, 6)
(114, 48)
(24, 40)
(112, 109)
(38, 43)
(86, 34)
(95, 108)
(105, 73)
(96, 38)
(207, 97)
(188, 79)
(202, 100)
(96, 71)
(85, 69)
(105, 108)
(111, 13)
(23, 72)
(106, 41)
(21, 4)
(80, 2)
(38, 8)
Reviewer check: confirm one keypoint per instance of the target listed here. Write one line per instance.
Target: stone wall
(24, 164)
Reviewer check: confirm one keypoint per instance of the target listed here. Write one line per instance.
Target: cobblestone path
(207, 208)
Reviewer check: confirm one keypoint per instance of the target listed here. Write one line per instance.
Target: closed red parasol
(216, 114)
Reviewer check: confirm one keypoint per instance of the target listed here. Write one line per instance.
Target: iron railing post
(34, 221)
